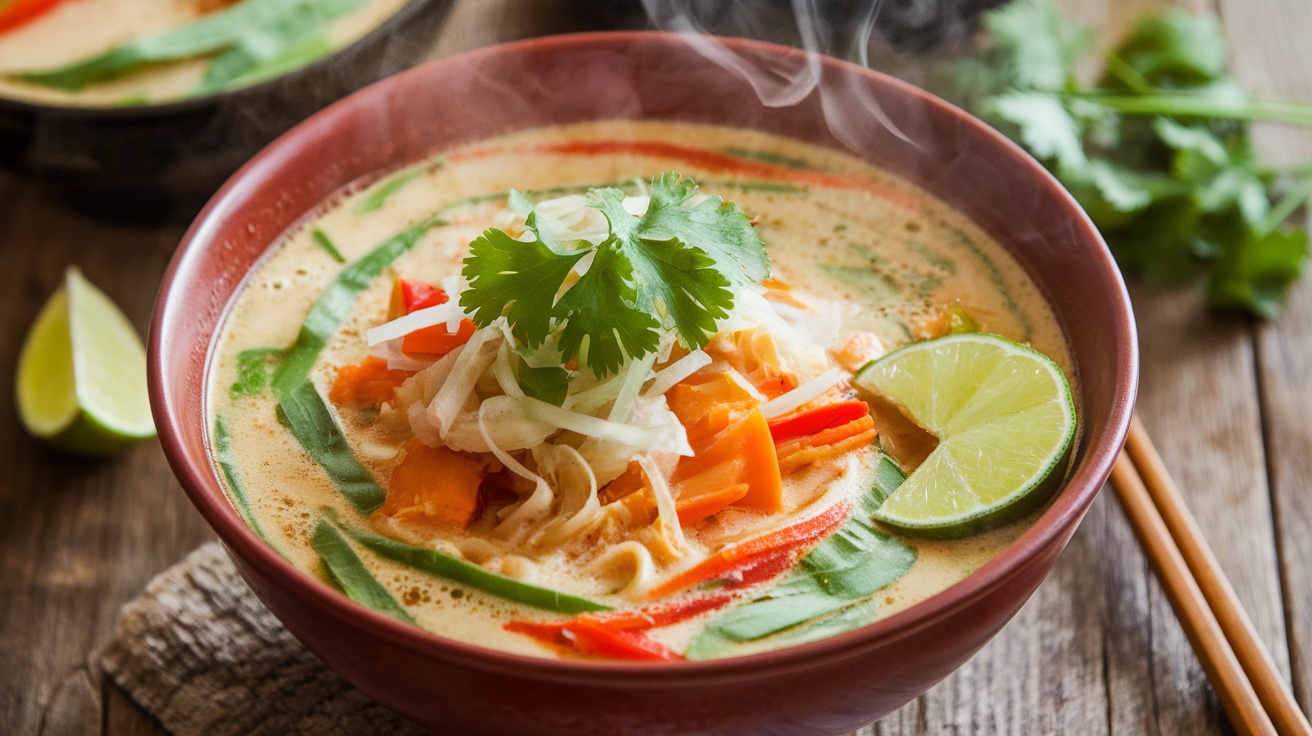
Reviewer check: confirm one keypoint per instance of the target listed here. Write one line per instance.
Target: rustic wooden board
(1270, 42)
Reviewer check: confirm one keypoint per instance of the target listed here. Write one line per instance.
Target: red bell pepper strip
(811, 421)
(618, 634)
(738, 556)
(21, 12)
(590, 636)
(408, 295)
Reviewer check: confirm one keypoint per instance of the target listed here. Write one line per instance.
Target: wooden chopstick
(1250, 687)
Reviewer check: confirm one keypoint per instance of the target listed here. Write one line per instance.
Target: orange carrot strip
(693, 508)
(828, 436)
(737, 556)
(749, 439)
(434, 486)
(809, 455)
(367, 383)
(436, 340)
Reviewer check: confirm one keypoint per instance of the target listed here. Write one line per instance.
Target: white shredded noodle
(802, 394)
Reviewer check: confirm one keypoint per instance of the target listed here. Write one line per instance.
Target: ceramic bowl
(830, 686)
(165, 160)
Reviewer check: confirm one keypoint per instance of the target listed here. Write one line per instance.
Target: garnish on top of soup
(594, 419)
(127, 52)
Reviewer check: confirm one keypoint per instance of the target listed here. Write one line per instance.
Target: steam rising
(842, 30)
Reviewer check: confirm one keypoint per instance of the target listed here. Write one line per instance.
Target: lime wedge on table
(82, 373)
(1004, 417)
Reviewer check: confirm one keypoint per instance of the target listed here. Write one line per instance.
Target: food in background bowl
(602, 395)
(829, 685)
(137, 52)
(154, 140)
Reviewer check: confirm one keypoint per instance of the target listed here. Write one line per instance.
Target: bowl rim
(190, 104)
(199, 477)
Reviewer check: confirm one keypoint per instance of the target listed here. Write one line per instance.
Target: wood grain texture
(1270, 42)
(1097, 649)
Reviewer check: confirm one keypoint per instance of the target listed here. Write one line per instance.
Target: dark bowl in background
(164, 160)
(829, 686)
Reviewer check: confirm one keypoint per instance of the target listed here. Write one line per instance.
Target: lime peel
(81, 383)
(1005, 419)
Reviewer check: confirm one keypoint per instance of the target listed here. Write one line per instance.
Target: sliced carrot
(434, 486)
(747, 438)
(409, 295)
(810, 421)
(825, 445)
(739, 556)
(437, 340)
(755, 355)
(367, 383)
(630, 481)
(778, 291)
(705, 405)
(859, 348)
(693, 508)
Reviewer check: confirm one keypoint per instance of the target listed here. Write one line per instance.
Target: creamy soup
(591, 529)
(199, 46)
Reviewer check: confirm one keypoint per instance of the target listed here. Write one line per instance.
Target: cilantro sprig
(676, 268)
(1158, 151)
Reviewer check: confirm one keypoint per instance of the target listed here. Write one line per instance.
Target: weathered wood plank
(1270, 56)
(77, 538)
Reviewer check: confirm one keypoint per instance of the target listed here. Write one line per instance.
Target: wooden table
(1096, 650)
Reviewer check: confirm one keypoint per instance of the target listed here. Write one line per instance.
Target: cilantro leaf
(676, 268)
(1159, 152)
(1046, 127)
(602, 327)
(517, 278)
(714, 226)
(676, 280)
(1256, 275)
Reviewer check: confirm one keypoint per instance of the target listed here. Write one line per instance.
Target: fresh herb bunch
(676, 267)
(1158, 152)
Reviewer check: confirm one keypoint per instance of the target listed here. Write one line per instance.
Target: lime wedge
(1004, 418)
(82, 373)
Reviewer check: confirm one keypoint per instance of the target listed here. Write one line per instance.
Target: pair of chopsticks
(1254, 696)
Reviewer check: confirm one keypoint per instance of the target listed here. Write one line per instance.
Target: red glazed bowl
(829, 686)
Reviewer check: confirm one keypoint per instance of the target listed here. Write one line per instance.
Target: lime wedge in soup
(82, 373)
(1004, 418)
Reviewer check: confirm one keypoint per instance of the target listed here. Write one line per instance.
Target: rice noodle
(665, 511)
(587, 424)
(635, 555)
(397, 360)
(472, 362)
(447, 312)
(503, 373)
(802, 394)
(745, 384)
(630, 385)
(680, 369)
(578, 513)
(530, 509)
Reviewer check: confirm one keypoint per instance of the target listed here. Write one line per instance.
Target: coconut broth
(833, 226)
(78, 30)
